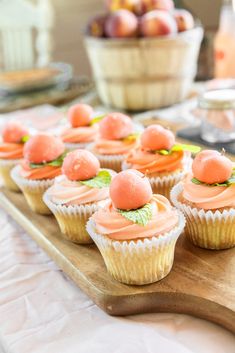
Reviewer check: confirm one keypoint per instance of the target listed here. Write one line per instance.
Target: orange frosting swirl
(11, 150)
(111, 223)
(43, 172)
(113, 147)
(66, 192)
(209, 197)
(150, 162)
(80, 134)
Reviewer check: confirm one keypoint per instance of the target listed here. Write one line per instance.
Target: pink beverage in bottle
(224, 44)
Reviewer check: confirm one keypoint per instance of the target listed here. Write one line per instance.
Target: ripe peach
(212, 167)
(80, 165)
(115, 126)
(13, 132)
(156, 137)
(130, 190)
(121, 24)
(184, 20)
(96, 26)
(157, 23)
(43, 148)
(144, 6)
(114, 5)
(80, 115)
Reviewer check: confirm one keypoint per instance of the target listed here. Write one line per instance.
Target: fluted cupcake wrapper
(72, 219)
(33, 190)
(74, 146)
(207, 229)
(5, 171)
(113, 162)
(138, 262)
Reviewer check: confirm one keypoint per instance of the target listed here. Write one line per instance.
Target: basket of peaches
(143, 53)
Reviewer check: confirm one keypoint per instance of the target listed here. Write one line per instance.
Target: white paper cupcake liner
(138, 262)
(74, 146)
(109, 161)
(33, 190)
(209, 229)
(5, 171)
(72, 219)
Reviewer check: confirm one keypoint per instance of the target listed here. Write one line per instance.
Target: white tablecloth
(42, 311)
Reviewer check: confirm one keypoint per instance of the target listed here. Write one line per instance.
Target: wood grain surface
(202, 282)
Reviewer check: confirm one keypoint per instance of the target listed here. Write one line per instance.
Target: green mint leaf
(97, 119)
(227, 183)
(196, 181)
(101, 180)
(190, 148)
(164, 152)
(55, 163)
(25, 138)
(131, 137)
(140, 216)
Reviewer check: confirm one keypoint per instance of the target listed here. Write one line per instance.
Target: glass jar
(217, 111)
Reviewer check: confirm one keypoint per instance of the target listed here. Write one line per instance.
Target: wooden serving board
(201, 283)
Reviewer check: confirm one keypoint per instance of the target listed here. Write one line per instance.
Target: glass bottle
(224, 44)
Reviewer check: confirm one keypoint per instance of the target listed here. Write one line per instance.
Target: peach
(13, 132)
(43, 148)
(96, 26)
(114, 5)
(144, 6)
(212, 167)
(80, 115)
(115, 126)
(157, 23)
(184, 20)
(80, 165)
(130, 190)
(121, 24)
(156, 137)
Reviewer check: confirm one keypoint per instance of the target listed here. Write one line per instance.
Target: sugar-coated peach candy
(80, 115)
(130, 190)
(212, 167)
(157, 23)
(156, 137)
(184, 20)
(144, 6)
(13, 132)
(43, 148)
(115, 126)
(114, 5)
(121, 24)
(80, 165)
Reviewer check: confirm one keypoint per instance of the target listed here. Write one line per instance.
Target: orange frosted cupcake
(160, 159)
(78, 193)
(82, 130)
(116, 139)
(136, 234)
(14, 135)
(207, 199)
(43, 157)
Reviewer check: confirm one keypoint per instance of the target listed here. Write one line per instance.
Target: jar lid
(221, 99)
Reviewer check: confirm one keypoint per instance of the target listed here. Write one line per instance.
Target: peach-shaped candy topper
(156, 137)
(130, 190)
(80, 165)
(80, 115)
(212, 167)
(13, 132)
(115, 126)
(43, 148)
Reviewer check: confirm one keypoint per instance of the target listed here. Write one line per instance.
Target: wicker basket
(146, 73)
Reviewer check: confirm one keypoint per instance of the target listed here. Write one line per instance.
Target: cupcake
(116, 139)
(43, 157)
(207, 199)
(11, 151)
(82, 130)
(160, 159)
(78, 193)
(136, 231)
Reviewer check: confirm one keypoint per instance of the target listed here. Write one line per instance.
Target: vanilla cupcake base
(5, 172)
(212, 229)
(72, 219)
(138, 262)
(33, 191)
